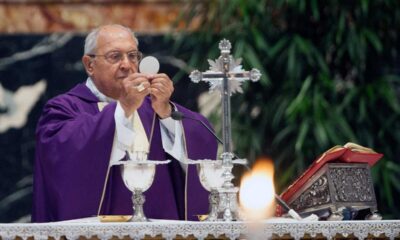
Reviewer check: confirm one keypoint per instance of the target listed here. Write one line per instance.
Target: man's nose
(125, 61)
(126, 64)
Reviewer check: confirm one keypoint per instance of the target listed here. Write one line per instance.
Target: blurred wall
(149, 16)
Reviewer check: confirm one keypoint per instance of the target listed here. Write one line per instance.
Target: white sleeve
(124, 135)
(172, 139)
(171, 135)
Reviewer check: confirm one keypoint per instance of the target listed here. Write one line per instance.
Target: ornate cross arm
(235, 78)
(210, 76)
(225, 67)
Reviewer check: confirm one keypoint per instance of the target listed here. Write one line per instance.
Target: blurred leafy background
(331, 75)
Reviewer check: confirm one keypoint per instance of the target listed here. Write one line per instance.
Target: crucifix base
(228, 205)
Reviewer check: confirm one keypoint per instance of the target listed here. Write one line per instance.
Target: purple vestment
(73, 149)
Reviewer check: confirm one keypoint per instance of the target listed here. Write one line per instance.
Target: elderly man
(117, 112)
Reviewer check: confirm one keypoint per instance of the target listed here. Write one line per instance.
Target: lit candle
(257, 192)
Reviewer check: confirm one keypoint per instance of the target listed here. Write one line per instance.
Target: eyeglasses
(115, 56)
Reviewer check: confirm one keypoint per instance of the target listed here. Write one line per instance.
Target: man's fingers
(166, 92)
(142, 86)
(162, 85)
(158, 86)
(157, 93)
(163, 81)
(136, 79)
(136, 85)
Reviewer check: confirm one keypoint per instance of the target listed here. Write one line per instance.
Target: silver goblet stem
(214, 202)
(138, 200)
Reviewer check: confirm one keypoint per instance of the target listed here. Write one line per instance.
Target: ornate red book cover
(349, 153)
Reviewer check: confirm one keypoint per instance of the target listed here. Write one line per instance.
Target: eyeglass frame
(139, 55)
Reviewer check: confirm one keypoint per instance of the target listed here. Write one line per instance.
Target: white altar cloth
(169, 229)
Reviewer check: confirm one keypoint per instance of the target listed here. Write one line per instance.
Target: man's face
(107, 73)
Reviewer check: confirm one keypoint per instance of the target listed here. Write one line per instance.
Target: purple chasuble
(73, 148)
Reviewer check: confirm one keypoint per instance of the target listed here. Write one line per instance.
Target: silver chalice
(210, 174)
(138, 175)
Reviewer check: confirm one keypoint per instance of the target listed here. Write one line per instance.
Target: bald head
(109, 32)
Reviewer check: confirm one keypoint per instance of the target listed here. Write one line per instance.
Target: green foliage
(329, 77)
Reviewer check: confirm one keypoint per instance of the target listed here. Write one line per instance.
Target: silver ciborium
(138, 175)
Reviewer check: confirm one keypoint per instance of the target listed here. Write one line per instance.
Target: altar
(167, 229)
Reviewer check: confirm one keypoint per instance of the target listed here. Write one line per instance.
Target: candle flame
(257, 192)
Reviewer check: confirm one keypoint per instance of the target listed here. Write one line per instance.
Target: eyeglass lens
(114, 57)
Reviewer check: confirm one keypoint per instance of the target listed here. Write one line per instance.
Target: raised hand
(161, 89)
(134, 89)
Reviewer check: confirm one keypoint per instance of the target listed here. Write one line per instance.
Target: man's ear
(88, 64)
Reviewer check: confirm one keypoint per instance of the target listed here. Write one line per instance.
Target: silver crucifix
(226, 75)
